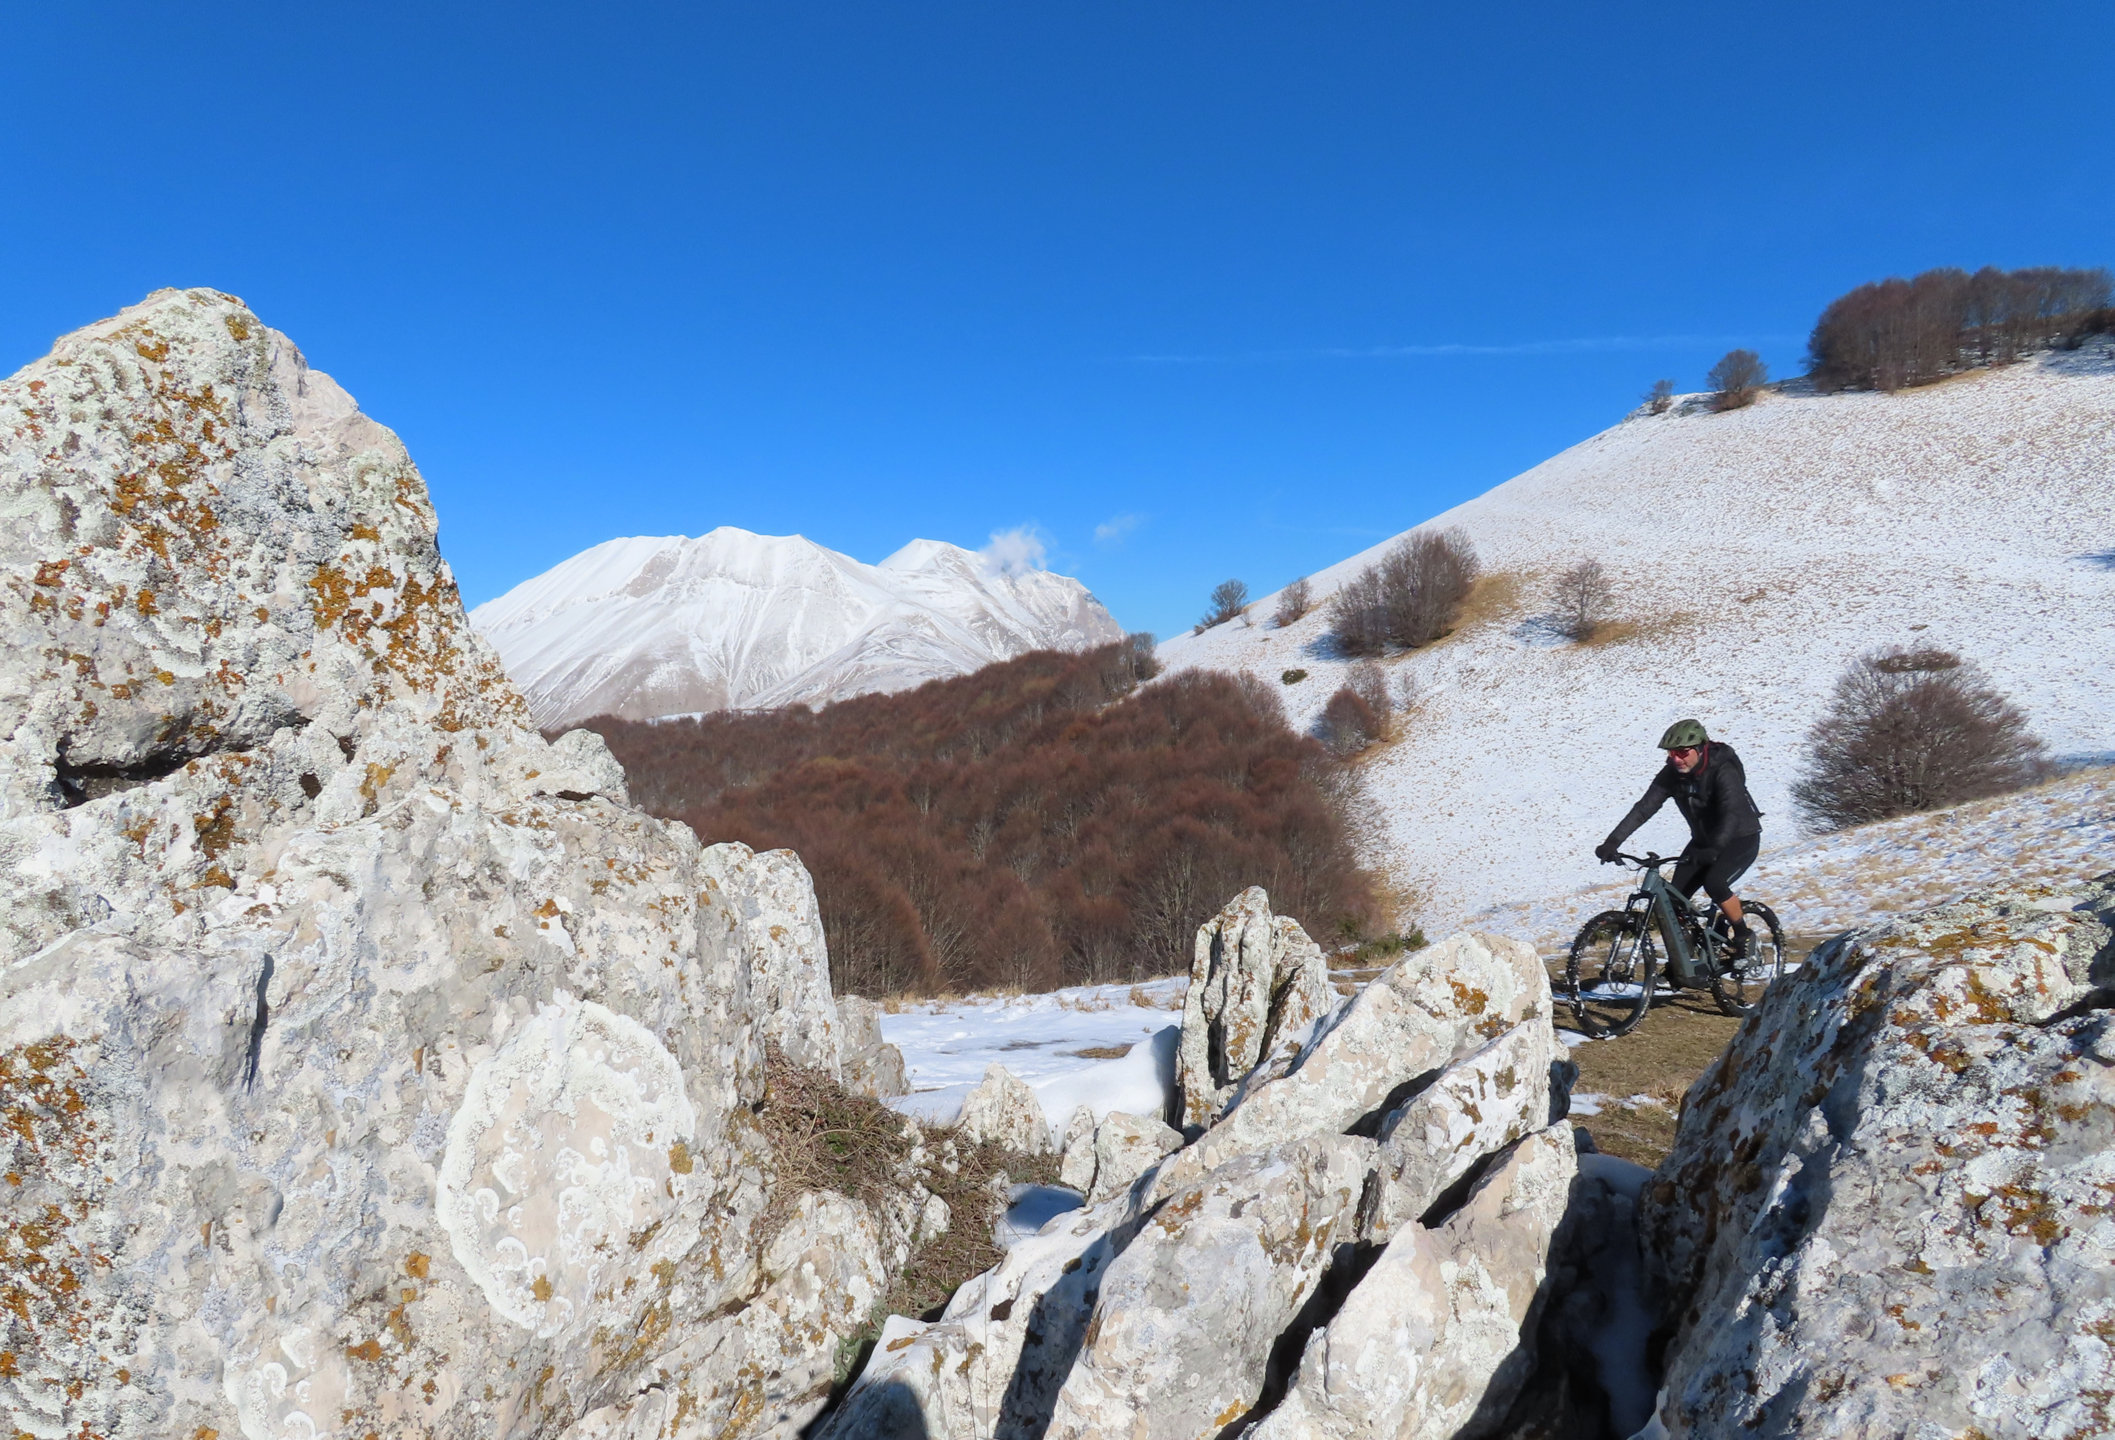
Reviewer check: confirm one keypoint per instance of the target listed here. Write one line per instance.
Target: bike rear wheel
(1610, 972)
(1741, 986)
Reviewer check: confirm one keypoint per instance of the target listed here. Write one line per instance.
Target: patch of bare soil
(1642, 1076)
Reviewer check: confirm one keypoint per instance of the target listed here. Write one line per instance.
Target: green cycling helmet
(1684, 733)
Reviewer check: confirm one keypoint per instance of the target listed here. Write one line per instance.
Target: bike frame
(1667, 908)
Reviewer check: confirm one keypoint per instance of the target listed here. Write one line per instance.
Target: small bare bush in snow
(1581, 598)
(1229, 597)
(1294, 601)
(1370, 683)
(1736, 378)
(1660, 398)
(1410, 597)
(1348, 724)
(1912, 730)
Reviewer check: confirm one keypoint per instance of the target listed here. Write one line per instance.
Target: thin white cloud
(1015, 551)
(1584, 345)
(1116, 529)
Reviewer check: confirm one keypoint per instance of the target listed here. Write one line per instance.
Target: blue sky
(1193, 290)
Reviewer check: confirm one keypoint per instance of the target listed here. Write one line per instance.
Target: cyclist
(1708, 785)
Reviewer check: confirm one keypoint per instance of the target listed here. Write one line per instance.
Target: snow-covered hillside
(1755, 553)
(667, 626)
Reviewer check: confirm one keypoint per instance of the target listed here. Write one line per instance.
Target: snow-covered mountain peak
(659, 625)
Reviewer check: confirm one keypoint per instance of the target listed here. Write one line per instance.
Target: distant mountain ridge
(668, 625)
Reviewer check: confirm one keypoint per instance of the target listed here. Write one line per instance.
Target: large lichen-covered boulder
(1257, 986)
(367, 1065)
(1427, 1345)
(776, 934)
(1886, 1209)
(1189, 1313)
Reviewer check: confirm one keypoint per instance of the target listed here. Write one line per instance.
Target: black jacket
(1713, 798)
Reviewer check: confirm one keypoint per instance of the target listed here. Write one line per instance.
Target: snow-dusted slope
(1756, 552)
(669, 625)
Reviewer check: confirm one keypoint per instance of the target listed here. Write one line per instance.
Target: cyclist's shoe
(1740, 943)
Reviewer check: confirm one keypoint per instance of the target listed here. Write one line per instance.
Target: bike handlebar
(1647, 861)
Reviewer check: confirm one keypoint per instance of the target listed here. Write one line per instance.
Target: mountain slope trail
(654, 626)
(1754, 553)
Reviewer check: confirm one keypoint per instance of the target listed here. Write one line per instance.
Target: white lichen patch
(571, 1140)
(295, 1391)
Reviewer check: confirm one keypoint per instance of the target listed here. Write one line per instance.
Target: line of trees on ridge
(1894, 333)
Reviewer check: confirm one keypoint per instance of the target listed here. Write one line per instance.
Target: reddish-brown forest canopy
(1044, 821)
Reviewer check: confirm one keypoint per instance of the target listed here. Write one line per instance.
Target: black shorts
(1717, 875)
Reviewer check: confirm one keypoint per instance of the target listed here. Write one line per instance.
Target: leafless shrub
(1581, 598)
(1407, 693)
(1411, 596)
(1736, 378)
(1912, 730)
(1348, 724)
(1370, 683)
(1228, 599)
(1660, 398)
(1294, 601)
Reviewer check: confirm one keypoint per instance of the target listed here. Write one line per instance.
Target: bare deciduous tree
(1660, 398)
(1410, 597)
(1912, 730)
(1228, 599)
(1294, 601)
(1581, 598)
(1736, 378)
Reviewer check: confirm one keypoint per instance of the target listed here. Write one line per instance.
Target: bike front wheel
(1738, 985)
(1610, 971)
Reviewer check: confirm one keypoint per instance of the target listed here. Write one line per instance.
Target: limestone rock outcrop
(869, 1065)
(1258, 1271)
(1002, 1110)
(1257, 987)
(1125, 1147)
(1886, 1208)
(1427, 1345)
(368, 1066)
(775, 932)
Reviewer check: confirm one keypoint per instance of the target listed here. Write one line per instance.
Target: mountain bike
(1614, 968)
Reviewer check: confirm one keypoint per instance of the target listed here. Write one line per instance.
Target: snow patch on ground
(947, 1044)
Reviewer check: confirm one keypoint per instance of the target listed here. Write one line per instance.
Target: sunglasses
(1681, 752)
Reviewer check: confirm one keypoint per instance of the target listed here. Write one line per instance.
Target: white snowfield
(668, 625)
(1754, 554)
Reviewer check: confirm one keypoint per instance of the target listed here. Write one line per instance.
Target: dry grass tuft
(824, 1137)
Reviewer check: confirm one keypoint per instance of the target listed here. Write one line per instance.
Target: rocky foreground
(369, 1067)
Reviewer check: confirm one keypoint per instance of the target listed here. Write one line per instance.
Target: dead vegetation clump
(824, 1137)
